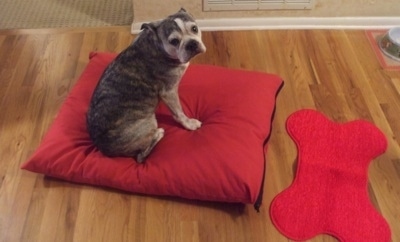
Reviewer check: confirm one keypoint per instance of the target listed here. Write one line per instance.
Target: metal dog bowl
(390, 43)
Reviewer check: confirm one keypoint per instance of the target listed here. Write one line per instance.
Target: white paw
(192, 124)
(160, 133)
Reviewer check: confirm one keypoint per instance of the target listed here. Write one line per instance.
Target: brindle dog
(121, 118)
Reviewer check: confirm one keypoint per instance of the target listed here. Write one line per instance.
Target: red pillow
(221, 161)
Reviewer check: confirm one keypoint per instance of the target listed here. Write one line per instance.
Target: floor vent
(229, 5)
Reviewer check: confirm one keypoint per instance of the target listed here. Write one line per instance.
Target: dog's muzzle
(194, 47)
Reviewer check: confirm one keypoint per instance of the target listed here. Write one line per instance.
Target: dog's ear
(150, 26)
(184, 12)
(146, 26)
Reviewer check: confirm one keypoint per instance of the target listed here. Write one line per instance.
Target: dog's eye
(195, 29)
(174, 42)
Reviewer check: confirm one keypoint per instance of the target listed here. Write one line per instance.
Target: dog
(121, 117)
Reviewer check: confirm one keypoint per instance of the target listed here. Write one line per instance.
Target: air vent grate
(228, 5)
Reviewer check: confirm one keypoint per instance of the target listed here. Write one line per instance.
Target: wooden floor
(334, 71)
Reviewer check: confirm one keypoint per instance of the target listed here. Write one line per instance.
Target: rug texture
(36, 14)
(329, 194)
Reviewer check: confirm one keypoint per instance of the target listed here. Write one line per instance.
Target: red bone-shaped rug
(329, 194)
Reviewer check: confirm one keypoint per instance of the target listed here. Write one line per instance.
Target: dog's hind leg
(137, 139)
(156, 136)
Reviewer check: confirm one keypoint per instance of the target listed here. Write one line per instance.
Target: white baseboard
(292, 23)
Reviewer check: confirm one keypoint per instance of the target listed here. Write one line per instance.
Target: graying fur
(121, 117)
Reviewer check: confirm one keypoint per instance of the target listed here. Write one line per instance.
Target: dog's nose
(192, 46)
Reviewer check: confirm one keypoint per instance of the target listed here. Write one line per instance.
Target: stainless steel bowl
(390, 43)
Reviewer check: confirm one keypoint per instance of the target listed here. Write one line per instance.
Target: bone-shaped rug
(329, 193)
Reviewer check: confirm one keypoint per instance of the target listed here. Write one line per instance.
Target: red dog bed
(222, 161)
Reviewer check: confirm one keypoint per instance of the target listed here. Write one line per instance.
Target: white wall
(147, 10)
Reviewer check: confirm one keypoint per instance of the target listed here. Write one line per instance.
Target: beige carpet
(28, 14)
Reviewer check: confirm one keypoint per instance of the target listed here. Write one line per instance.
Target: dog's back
(127, 92)
(121, 116)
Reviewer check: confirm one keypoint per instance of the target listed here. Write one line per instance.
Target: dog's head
(178, 35)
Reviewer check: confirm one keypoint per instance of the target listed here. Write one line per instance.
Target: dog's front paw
(192, 124)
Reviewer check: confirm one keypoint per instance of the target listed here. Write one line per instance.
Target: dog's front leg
(171, 99)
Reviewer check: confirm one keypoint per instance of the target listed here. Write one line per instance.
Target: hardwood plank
(334, 71)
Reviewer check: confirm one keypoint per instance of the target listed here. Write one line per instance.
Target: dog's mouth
(190, 50)
(195, 47)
